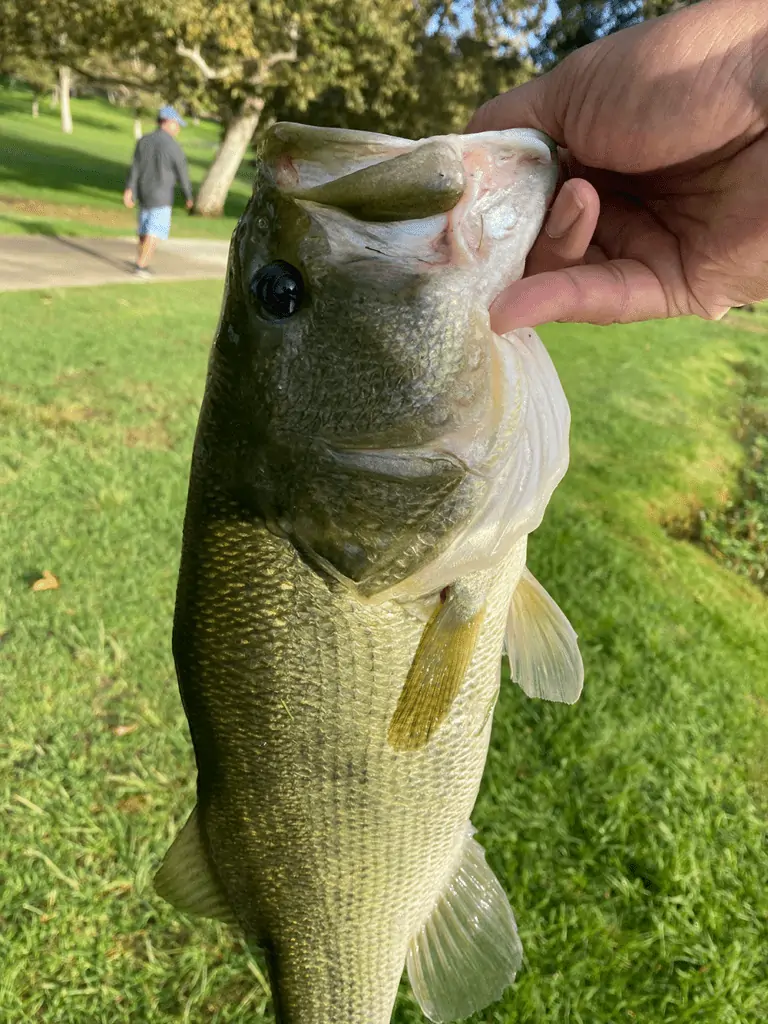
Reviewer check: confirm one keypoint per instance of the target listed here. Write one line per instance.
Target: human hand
(128, 199)
(190, 204)
(665, 212)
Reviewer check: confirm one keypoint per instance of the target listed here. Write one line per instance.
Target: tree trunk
(221, 174)
(137, 132)
(65, 83)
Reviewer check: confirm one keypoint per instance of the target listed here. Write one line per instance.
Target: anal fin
(468, 951)
(436, 674)
(186, 878)
(542, 646)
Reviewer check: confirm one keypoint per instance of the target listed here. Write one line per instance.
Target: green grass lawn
(629, 830)
(52, 183)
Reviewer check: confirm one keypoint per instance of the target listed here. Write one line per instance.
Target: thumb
(618, 291)
(536, 104)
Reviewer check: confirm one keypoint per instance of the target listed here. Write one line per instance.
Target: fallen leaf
(124, 730)
(46, 582)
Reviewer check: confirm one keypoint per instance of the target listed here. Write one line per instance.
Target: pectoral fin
(468, 951)
(542, 646)
(186, 878)
(436, 674)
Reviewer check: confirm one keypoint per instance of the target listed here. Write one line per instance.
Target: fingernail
(563, 217)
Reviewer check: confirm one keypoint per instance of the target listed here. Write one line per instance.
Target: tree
(446, 80)
(59, 34)
(240, 52)
(582, 21)
(462, 54)
(40, 77)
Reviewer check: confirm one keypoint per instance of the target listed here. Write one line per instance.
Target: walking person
(158, 164)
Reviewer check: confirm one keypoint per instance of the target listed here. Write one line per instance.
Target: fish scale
(369, 461)
(317, 853)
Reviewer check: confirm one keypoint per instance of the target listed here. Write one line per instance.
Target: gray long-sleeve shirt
(158, 163)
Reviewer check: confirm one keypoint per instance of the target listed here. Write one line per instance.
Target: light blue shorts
(155, 221)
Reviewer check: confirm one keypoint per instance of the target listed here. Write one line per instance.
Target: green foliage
(491, 19)
(449, 67)
(629, 830)
(226, 54)
(40, 77)
(736, 533)
(54, 31)
(580, 22)
(446, 80)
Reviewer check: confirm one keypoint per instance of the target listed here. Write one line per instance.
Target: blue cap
(169, 113)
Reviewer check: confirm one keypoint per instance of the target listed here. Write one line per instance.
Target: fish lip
(375, 147)
(531, 142)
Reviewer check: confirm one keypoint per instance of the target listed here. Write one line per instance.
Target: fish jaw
(511, 177)
(481, 220)
(369, 427)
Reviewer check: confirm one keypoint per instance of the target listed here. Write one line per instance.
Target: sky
(465, 16)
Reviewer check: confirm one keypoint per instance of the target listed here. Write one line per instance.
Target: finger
(568, 229)
(620, 291)
(532, 105)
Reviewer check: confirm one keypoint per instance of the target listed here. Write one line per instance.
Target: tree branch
(266, 65)
(209, 73)
(112, 80)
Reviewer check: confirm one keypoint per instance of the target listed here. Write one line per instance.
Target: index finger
(531, 105)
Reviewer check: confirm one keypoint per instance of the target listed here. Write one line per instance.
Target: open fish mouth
(451, 200)
(306, 158)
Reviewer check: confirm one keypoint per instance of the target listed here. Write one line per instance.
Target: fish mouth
(530, 141)
(381, 178)
(472, 203)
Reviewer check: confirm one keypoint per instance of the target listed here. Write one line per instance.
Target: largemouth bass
(369, 461)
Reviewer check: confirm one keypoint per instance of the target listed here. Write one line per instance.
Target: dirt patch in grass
(53, 415)
(154, 436)
(88, 214)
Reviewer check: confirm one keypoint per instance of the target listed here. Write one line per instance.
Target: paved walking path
(52, 261)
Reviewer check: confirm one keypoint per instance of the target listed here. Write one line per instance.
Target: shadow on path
(80, 247)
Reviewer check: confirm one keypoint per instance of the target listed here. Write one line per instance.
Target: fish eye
(278, 289)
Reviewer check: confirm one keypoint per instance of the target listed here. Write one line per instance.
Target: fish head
(354, 382)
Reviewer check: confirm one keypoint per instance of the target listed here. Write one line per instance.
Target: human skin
(664, 212)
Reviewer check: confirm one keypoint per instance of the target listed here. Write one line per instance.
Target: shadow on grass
(29, 227)
(45, 165)
(10, 104)
(20, 102)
